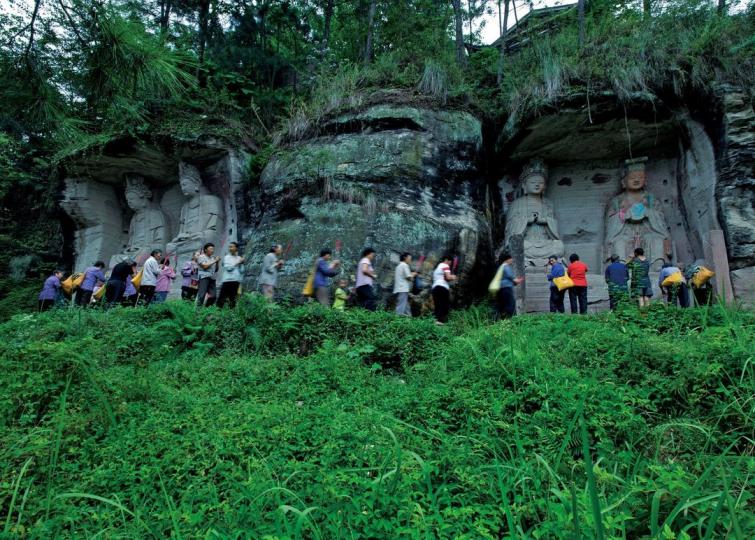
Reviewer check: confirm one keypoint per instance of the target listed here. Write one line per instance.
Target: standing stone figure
(202, 216)
(94, 209)
(634, 219)
(147, 230)
(532, 218)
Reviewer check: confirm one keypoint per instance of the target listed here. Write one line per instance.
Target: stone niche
(394, 176)
(132, 198)
(586, 159)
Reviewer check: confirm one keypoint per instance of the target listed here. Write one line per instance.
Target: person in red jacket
(577, 271)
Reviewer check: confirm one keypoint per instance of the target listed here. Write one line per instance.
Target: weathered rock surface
(736, 186)
(393, 177)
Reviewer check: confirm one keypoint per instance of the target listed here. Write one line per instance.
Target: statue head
(534, 176)
(138, 194)
(189, 178)
(634, 178)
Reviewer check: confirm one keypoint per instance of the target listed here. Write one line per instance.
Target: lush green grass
(307, 423)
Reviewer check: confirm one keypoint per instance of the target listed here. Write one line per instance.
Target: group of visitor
(125, 286)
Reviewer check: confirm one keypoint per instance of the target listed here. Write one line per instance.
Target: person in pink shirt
(164, 280)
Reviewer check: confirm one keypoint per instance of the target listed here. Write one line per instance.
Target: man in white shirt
(208, 267)
(150, 273)
(402, 284)
(233, 273)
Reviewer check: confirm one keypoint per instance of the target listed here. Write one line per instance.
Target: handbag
(495, 285)
(563, 282)
(673, 279)
(309, 286)
(136, 281)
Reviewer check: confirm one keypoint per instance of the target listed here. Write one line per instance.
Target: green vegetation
(272, 422)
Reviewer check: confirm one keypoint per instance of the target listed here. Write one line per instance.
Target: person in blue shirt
(557, 297)
(676, 292)
(506, 299)
(92, 276)
(617, 278)
(325, 270)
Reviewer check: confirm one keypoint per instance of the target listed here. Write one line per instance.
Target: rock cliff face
(400, 175)
(736, 189)
(393, 177)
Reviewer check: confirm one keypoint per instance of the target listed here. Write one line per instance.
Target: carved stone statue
(201, 218)
(634, 219)
(97, 215)
(147, 229)
(532, 218)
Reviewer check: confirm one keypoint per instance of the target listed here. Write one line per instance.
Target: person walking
(402, 284)
(116, 285)
(92, 276)
(639, 273)
(577, 271)
(50, 291)
(208, 265)
(441, 289)
(505, 297)
(365, 278)
(617, 278)
(190, 278)
(556, 297)
(676, 293)
(324, 270)
(233, 273)
(130, 294)
(271, 264)
(164, 281)
(150, 275)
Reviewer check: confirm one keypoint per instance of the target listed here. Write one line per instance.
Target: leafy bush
(271, 422)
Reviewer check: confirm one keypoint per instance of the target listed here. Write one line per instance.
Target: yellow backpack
(72, 282)
(702, 276)
(673, 279)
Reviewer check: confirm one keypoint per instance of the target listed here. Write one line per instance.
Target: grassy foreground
(272, 422)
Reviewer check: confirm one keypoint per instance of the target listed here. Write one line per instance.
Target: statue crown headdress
(534, 167)
(136, 183)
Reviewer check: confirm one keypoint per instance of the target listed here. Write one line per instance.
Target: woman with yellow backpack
(671, 281)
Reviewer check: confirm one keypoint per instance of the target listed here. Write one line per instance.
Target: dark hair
(233, 244)
(367, 251)
(59, 271)
(156, 252)
(447, 257)
(639, 251)
(404, 255)
(207, 245)
(505, 256)
(573, 257)
(99, 264)
(272, 248)
(166, 261)
(614, 258)
(325, 251)
(667, 265)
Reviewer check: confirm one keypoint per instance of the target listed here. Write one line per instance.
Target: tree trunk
(504, 31)
(461, 56)
(326, 29)
(646, 8)
(721, 7)
(165, 8)
(31, 32)
(370, 23)
(581, 22)
(204, 25)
